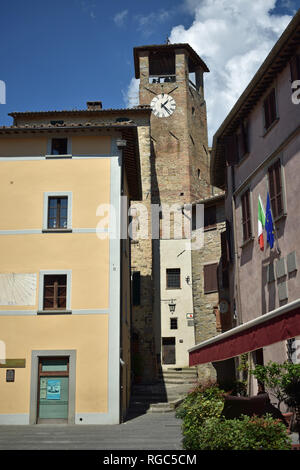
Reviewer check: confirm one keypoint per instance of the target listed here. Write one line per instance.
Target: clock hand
(163, 106)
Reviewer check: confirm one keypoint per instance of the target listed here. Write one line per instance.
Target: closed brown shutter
(295, 68)
(275, 189)
(210, 278)
(270, 109)
(246, 216)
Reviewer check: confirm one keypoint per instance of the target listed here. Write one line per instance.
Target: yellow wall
(84, 254)
(91, 145)
(81, 145)
(23, 184)
(87, 334)
(22, 187)
(14, 146)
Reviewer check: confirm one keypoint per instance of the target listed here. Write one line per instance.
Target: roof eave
(219, 180)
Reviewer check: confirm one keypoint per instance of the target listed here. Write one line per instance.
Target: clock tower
(176, 172)
(171, 82)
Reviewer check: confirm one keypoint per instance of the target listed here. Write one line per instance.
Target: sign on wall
(53, 389)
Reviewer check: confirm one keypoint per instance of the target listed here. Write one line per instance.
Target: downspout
(237, 288)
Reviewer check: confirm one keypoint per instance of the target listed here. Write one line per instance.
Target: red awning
(278, 325)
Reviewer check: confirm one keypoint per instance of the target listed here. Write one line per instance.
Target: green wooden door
(53, 389)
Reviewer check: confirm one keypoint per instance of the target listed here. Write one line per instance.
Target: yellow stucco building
(64, 271)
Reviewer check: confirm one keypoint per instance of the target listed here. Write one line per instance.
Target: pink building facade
(256, 152)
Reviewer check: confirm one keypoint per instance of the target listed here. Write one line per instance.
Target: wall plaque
(10, 375)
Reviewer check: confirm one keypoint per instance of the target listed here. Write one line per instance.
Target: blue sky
(59, 54)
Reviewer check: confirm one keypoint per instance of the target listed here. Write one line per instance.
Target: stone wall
(206, 305)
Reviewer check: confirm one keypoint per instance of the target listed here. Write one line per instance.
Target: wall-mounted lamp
(172, 306)
(188, 280)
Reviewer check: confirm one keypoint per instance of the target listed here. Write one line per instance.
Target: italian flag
(261, 223)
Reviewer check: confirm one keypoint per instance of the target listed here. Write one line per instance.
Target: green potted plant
(291, 388)
(271, 376)
(282, 381)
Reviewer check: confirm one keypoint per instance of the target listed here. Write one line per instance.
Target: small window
(210, 217)
(275, 189)
(210, 278)
(173, 278)
(59, 146)
(270, 113)
(246, 216)
(57, 212)
(136, 288)
(55, 292)
(173, 323)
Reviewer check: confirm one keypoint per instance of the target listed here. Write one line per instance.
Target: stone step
(165, 390)
(189, 378)
(180, 381)
(164, 407)
(183, 370)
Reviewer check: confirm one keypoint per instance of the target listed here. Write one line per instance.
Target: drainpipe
(237, 289)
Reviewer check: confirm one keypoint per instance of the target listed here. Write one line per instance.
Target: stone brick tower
(175, 172)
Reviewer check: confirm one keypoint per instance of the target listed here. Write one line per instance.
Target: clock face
(163, 105)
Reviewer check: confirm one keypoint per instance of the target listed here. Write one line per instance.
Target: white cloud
(148, 23)
(233, 37)
(120, 17)
(131, 94)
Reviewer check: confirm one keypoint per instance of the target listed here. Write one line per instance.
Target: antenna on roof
(168, 41)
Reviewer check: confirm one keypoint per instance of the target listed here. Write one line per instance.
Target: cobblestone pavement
(152, 431)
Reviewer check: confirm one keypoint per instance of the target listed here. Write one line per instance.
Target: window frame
(57, 194)
(42, 274)
(172, 319)
(173, 287)
(49, 147)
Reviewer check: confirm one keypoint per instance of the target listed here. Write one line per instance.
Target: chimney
(94, 105)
